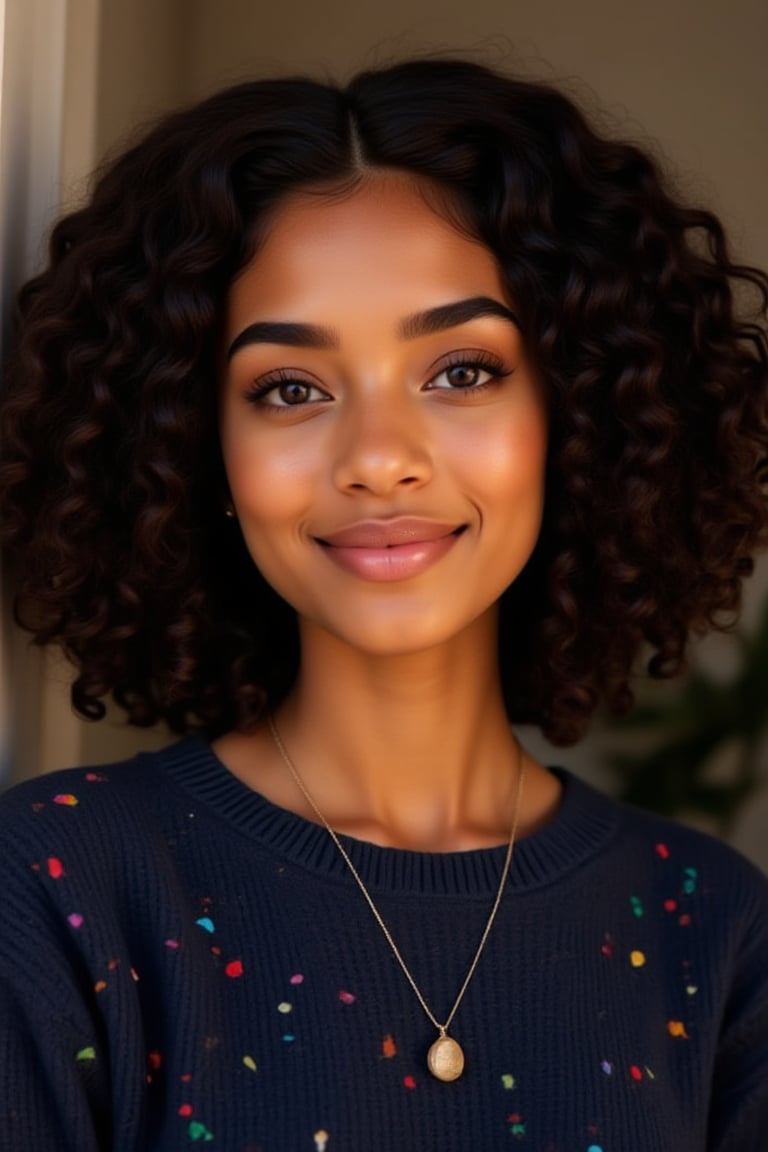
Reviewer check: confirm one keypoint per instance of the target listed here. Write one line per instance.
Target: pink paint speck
(297, 979)
(347, 997)
(75, 920)
(172, 944)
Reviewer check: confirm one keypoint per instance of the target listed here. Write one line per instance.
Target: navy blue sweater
(182, 963)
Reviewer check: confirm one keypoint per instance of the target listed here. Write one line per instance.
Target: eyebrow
(420, 324)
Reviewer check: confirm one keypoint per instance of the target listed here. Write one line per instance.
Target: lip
(388, 533)
(390, 550)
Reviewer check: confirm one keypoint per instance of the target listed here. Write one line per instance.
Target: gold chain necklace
(445, 1058)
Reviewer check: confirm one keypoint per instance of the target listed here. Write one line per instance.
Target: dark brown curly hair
(112, 484)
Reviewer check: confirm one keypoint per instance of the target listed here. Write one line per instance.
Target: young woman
(346, 426)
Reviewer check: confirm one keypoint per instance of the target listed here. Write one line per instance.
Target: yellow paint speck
(677, 1028)
(637, 959)
(249, 1063)
(285, 1007)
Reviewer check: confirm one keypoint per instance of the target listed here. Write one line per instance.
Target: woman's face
(383, 431)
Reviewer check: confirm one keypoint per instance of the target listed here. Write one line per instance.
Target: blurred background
(687, 77)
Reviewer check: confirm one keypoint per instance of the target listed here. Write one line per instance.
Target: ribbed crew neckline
(583, 825)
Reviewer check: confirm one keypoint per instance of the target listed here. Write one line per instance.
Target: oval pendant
(445, 1059)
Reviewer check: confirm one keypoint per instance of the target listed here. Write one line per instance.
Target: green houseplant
(700, 742)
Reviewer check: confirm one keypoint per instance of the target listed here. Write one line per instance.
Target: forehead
(385, 243)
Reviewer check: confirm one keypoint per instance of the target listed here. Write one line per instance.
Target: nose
(381, 446)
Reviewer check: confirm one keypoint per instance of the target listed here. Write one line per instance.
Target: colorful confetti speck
(234, 969)
(172, 944)
(677, 1028)
(594, 1148)
(690, 877)
(285, 1007)
(100, 985)
(635, 1072)
(663, 851)
(607, 1067)
(516, 1125)
(409, 1082)
(250, 1063)
(55, 868)
(636, 905)
(75, 920)
(198, 1131)
(607, 946)
(86, 1054)
(684, 920)
(185, 1110)
(155, 1060)
(206, 923)
(670, 905)
(297, 978)
(388, 1047)
(347, 997)
(321, 1140)
(637, 958)
(691, 989)
(288, 1038)
(67, 799)
(508, 1081)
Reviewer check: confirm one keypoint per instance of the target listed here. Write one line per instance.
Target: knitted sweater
(182, 963)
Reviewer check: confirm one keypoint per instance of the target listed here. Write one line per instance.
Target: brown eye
(285, 392)
(463, 375)
(467, 375)
(294, 392)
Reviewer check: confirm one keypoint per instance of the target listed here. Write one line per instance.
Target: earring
(229, 512)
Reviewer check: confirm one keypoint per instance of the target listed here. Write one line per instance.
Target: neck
(410, 751)
(413, 749)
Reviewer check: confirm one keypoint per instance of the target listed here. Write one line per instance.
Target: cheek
(267, 486)
(507, 459)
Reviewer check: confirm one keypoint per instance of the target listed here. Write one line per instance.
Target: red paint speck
(55, 868)
(684, 920)
(635, 1072)
(185, 1110)
(186, 1077)
(409, 1082)
(663, 851)
(670, 905)
(234, 969)
(388, 1047)
(155, 1060)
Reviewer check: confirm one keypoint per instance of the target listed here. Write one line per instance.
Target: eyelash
(481, 361)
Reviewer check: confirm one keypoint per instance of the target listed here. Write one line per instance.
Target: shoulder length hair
(112, 483)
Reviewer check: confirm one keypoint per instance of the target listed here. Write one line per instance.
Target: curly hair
(112, 481)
